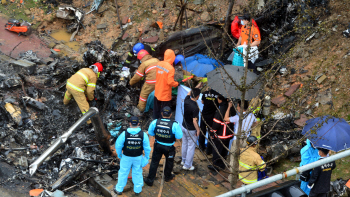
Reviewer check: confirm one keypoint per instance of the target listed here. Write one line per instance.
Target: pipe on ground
(61, 140)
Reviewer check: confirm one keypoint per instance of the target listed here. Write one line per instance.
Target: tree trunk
(228, 14)
(233, 178)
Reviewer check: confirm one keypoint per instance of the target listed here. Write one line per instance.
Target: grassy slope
(341, 171)
(328, 55)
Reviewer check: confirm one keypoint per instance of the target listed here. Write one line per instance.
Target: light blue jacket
(119, 144)
(176, 130)
(308, 155)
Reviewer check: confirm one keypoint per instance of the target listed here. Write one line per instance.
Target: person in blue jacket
(308, 154)
(166, 132)
(132, 142)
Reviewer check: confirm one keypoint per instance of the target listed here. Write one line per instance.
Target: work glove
(180, 81)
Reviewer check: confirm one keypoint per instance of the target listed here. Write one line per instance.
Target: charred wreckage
(42, 137)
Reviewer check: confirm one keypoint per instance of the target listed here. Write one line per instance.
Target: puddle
(62, 35)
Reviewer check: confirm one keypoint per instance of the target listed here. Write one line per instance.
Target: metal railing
(247, 188)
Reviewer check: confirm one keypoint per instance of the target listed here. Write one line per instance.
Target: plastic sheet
(181, 94)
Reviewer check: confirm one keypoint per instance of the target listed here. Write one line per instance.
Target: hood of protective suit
(169, 56)
(308, 143)
(133, 130)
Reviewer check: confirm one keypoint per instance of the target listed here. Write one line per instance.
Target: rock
(333, 78)
(153, 39)
(301, 122)
(177, 169)
(125, 36)
(101, 26)
(154, 11)
(205, 16)
(97, 34)
(321, 79)
(161, 35)
(51, 45)
(324, 97)
(125, 20)
(134, 41)
(166, 12)
(198, 2)
(285, 86)
(210, 8)
(317, 35)
(153, 33)
(292, 89)
(279, 100)
(305, 78)
(178, 159)
(27, 12)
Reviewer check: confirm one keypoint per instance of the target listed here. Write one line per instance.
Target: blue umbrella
(328, 132)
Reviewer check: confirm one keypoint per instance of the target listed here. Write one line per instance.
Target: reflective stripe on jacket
(84, 80)
(165, 77)
(250, 160)
(148, 68)
(220, 128)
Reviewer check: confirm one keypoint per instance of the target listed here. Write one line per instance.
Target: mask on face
(94, 68)
(242, 23)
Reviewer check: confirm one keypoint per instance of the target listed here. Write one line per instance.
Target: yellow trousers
(145, 91)
(79, 97)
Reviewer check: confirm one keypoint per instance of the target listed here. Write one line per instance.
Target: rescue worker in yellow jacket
(81, 86)
(250, 160)
(147, 69)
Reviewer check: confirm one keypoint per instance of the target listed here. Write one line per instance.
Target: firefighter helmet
(142, 54)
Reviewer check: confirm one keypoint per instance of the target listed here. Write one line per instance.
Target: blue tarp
(200, 65)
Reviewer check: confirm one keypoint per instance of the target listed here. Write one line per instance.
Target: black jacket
(133, 57)
(321, 178)
(221, 129)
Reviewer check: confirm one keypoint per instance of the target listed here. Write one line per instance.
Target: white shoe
(182, 163)
(191, 168)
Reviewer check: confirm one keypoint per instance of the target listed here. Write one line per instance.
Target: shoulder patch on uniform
(256, 35)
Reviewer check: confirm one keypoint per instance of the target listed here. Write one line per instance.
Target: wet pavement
(11, 44)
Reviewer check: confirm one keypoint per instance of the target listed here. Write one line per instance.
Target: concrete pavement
(11, 43)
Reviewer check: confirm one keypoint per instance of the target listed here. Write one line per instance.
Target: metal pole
(292, 172)
(61, 140)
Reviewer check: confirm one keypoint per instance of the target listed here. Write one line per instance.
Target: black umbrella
(220, 82)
